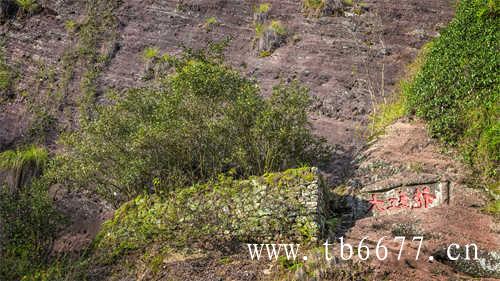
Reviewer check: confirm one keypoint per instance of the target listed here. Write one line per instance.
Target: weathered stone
(8, 10)
(386, 197)
(487, 265)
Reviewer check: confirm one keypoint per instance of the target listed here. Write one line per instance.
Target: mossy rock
(283, 206)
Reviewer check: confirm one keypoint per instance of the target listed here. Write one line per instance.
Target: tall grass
(19, 158)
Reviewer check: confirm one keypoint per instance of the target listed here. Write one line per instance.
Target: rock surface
(405, 159)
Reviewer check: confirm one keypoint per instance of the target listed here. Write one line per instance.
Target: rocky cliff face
(64, 56)
(70, 52)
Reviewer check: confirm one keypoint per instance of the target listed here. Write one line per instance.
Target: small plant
(5, 78)
(264, 54)
(150, 53)
(70, 25)
(416, 167)
(314, 4)
(493, 208)
(27, 6)
(263, 8)
(278, 27)
(269, 37)
(210, 23)
(348, 2)
(314, 7)
(259, 30)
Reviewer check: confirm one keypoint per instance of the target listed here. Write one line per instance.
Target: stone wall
(278, 207)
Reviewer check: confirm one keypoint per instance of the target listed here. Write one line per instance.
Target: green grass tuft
(263, 8)
(150, 53)
(17, 159)
(278, 27)
(28, 6)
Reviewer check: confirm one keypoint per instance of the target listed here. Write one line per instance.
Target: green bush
(17, 159)
(204, 120)
(150, 53)
(28, 221)
(27, 6)
(458, 87)
(262, 8)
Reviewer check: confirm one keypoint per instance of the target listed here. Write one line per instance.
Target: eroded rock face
(400, 172)
(8, 9)
(335, 56)
(270, 40)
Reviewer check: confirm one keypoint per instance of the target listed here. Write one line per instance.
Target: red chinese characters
(421, 199)
(376, 204)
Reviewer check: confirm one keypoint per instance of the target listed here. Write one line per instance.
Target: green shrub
(70, 25)
(263, 8)
(458, 87)
(315, 4)
(204, 120)
(278, 27)
(23, 165)
(210, 23)
(28, 6)
(348, 2)
(264, 54)
(150, 53)
(314, 7)
(274, 25)
(28, 222)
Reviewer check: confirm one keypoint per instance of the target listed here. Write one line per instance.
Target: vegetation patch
(17, 159)
(457, 88)
(28, 6)
(28, 219)
(317, 8)
(276, 206)
(210, 23)
(204, 119)
(454, 86)
(269, 36)
(7, 77)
